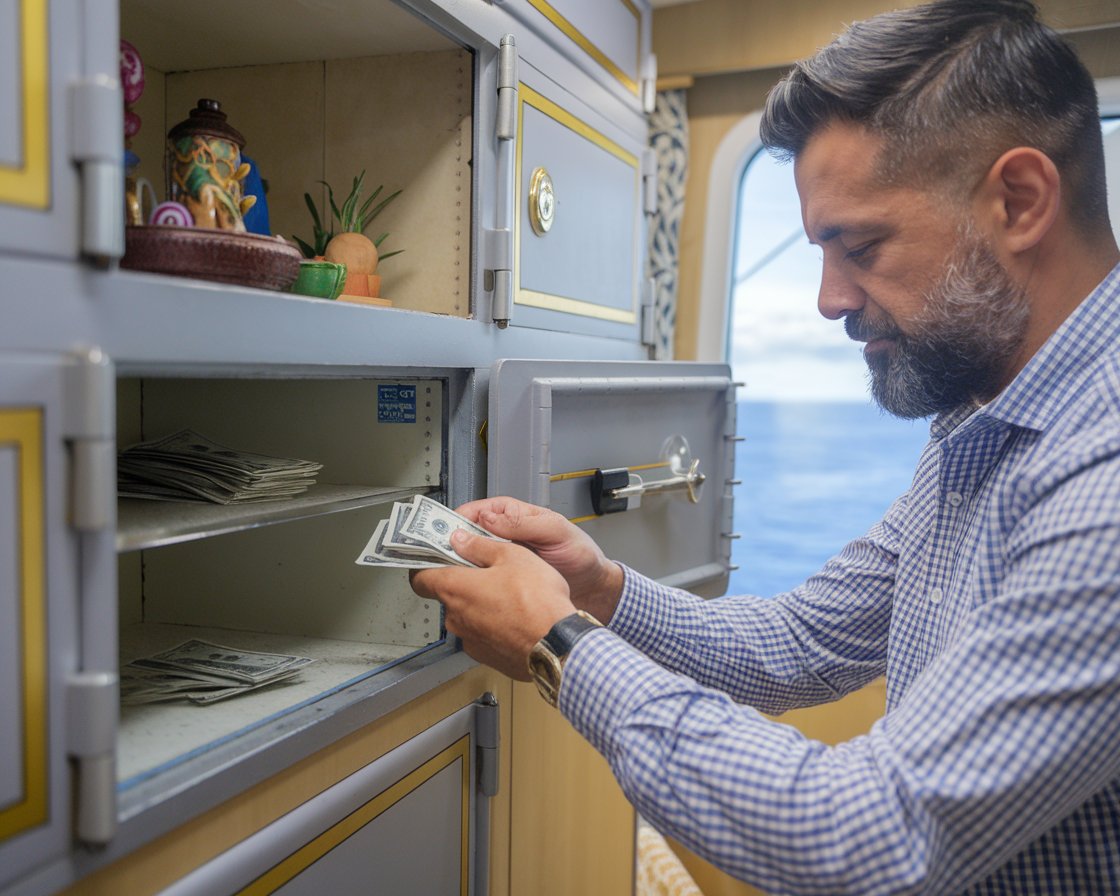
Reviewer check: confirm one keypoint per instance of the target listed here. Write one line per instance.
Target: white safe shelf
(143, 524)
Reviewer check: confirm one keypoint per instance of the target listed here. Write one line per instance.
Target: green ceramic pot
(323, 279)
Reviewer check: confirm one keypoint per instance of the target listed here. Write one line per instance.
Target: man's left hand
(501, 609)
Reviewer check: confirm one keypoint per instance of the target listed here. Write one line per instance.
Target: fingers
(478, 550)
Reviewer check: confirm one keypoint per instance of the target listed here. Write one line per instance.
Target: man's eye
(861, 253)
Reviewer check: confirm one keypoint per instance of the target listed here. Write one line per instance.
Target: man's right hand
(595, 583)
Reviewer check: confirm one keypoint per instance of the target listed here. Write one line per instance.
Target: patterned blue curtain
(669, 140)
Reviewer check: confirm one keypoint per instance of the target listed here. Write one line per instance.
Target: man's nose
(838, 295)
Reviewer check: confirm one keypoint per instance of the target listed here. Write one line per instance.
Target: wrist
(548, 655)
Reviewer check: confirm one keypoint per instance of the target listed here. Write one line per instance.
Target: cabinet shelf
(150, 524)
(154, 734)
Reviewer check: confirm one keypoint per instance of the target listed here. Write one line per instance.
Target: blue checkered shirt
(989, 597)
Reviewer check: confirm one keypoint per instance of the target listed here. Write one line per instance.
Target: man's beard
(973, 322)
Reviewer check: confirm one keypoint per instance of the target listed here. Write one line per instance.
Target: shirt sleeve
(822, 640)
(1004, 735)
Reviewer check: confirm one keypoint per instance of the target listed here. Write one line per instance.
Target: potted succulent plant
(345, 241)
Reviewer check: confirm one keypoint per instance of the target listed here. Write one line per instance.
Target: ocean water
(814, 476)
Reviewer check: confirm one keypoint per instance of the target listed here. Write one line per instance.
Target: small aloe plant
(350, 218)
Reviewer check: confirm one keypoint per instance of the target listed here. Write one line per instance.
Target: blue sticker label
(396, 404)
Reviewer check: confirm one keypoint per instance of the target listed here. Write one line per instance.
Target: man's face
(940, 317)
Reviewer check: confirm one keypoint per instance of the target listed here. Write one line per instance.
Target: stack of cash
(417, 535)
(204, 673)
(189, 467)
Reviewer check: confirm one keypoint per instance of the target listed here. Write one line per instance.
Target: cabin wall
(729, 53)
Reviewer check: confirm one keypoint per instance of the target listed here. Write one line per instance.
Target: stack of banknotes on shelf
(204, 673)
(417, 535)
(189, 467)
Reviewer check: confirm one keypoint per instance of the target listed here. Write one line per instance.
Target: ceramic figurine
(205, 170)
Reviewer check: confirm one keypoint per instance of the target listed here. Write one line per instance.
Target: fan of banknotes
(417, 535)
(204, 673)
(189, 467)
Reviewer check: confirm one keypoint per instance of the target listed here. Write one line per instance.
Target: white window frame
(729, 163)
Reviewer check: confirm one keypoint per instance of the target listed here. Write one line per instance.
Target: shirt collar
(1033, 399)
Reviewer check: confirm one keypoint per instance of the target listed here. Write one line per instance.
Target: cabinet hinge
(649, 181)
(91, 728)
(649, 294)
(506, 124)
(96, 125)
(649, 84)
(488, 738)
(89, 432)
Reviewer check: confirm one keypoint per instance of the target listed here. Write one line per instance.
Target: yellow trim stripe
(533, 298)
(546, 9)
(314, 850)
(28, 182)
(583, 474)
(22, 431)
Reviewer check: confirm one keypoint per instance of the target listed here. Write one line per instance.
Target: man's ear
(1022, 195)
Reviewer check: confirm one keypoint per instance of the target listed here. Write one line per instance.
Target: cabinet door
(36, 598)
(60, 104)
(651, 429)
(409, 822)
(579, 225)
(609, 38)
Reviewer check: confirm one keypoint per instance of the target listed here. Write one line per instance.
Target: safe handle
(612, 491)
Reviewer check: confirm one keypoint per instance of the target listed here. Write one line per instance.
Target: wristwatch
(546, 659)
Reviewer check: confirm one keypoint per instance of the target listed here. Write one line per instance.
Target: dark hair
(950, 86)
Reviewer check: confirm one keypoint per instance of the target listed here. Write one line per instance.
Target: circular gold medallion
(542, 201)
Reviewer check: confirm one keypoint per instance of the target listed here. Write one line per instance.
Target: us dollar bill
(417, 535)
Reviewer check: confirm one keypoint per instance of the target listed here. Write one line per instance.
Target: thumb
(475, 548)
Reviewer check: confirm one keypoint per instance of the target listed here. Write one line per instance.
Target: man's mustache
(861, 328)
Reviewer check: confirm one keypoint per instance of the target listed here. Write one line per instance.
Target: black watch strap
(562, 637)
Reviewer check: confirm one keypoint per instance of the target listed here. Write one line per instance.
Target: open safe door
(639, 454)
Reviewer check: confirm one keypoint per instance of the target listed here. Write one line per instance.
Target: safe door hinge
(506, 124)
(649, 182)
(649, 311)
(91, 727)
(96, 125)
(649, 84)
(497, 261)
(89, 432)
(488, 738)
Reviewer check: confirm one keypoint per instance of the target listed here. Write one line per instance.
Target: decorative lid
(207, 118)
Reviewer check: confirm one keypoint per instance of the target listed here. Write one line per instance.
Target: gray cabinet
(60, 130)
(53, 675)
(459, 105)
(411, 821)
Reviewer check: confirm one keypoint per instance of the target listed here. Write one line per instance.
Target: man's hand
(501, 609)
(594, 582)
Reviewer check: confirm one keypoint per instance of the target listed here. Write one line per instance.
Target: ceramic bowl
(322, 279)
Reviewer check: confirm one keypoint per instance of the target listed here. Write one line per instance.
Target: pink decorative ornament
(131, 123)
(171, 214)
(132, 72)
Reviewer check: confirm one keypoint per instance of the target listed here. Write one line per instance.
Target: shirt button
(955, 499)
(935, 596)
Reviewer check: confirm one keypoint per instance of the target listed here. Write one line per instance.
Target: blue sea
(814, 476)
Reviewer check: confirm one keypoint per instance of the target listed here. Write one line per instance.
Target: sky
(781, 346)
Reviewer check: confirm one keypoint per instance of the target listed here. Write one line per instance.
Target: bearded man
(949, 163)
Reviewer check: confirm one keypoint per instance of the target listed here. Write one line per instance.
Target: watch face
(546, 670)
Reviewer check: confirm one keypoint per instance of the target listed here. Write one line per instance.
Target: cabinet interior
(275, 576)
(323, 92)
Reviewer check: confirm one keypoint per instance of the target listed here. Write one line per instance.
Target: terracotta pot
(366, 285)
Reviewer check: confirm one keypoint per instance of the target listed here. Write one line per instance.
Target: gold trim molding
(28, 182)
(304, 857)
(21, 430)
(584, 43)
(549, 301)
